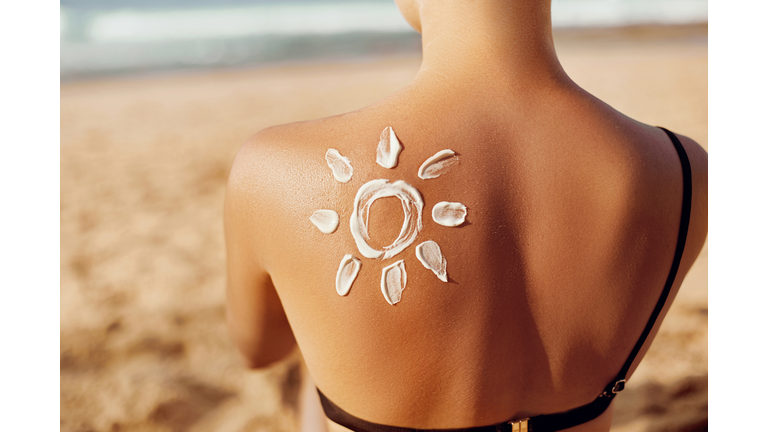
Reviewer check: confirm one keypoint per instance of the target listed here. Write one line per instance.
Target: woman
(528, 296)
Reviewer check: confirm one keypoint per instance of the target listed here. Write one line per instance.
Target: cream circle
(412, 203)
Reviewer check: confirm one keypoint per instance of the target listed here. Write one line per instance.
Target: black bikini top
(576, 416)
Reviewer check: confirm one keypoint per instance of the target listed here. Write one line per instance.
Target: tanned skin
(574, 211)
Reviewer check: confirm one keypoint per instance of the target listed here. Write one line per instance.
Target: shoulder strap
(682, 235)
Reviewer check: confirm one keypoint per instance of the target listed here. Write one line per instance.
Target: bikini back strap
(542, 423)
(338, 415)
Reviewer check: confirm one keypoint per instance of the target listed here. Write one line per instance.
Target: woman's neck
(504, 42)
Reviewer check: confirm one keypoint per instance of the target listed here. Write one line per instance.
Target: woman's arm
(255, 315)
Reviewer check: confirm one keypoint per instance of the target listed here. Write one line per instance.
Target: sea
(119, 37)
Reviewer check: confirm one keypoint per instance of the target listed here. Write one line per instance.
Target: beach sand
(144, 163)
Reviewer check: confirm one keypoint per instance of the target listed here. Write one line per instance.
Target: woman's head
(410, 11)
(415, 11)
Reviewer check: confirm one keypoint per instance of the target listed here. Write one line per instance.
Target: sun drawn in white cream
(449, 214)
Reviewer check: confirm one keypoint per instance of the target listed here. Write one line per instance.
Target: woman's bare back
(573, 212)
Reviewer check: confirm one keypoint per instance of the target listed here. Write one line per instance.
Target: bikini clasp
(520, 425)
(617, 387)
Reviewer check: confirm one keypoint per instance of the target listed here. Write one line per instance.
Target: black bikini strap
(682, 234)
(338, 415)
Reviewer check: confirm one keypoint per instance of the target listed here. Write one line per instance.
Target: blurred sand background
(144, 164)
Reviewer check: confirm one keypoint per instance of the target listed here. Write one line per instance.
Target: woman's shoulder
(304, 136)
(282, 147)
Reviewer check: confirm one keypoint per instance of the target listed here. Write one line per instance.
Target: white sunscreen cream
(325, 220)
(393, 279)
(347, 273)
(412, 203)
(430, 255)
(389, 149)
(342, 169)
(438, 164)
(449, 214)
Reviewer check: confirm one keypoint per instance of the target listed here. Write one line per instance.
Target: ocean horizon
(108, 37)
